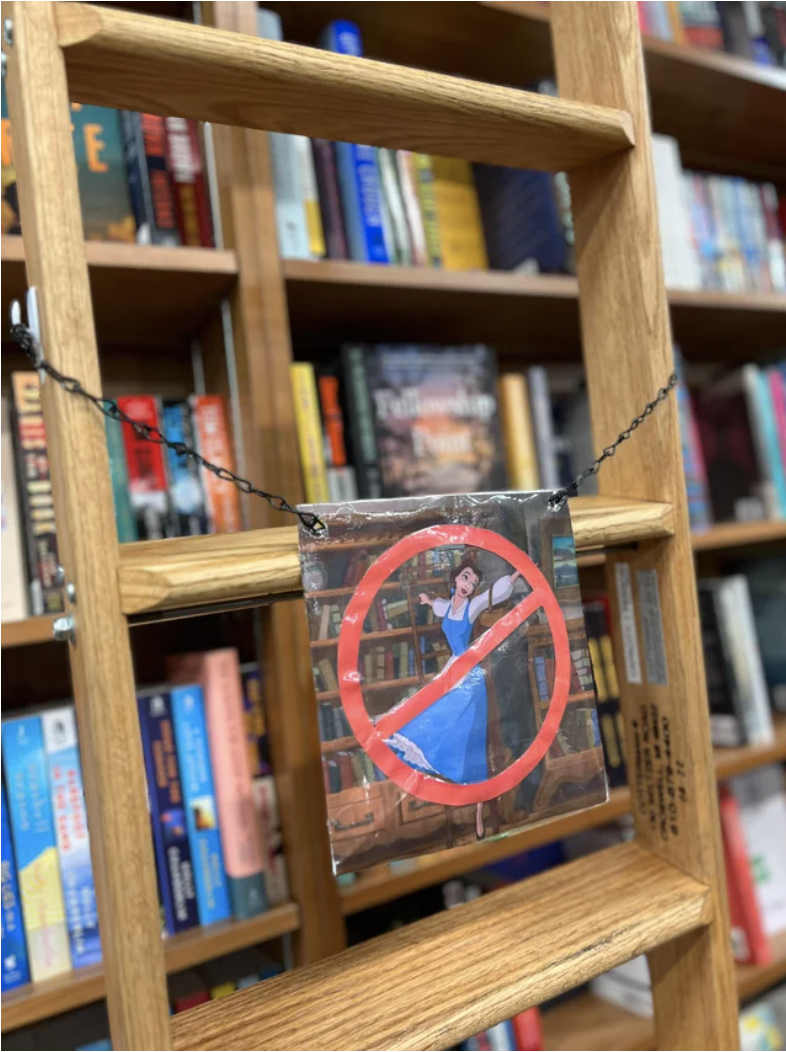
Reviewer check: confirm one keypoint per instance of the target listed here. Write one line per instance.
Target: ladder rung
(436, 982)
(169, 67)
(238, 567)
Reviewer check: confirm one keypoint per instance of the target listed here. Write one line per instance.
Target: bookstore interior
(350, 702)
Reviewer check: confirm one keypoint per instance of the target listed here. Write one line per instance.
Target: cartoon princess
(448, 739)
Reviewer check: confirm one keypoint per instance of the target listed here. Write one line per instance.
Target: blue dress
(449, 737)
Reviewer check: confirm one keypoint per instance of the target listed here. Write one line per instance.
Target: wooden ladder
(438, 981)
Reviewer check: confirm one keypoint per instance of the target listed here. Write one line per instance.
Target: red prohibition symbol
(372, 734)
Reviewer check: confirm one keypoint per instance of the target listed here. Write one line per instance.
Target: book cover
(354, 359)
(146, 467)
(35, 487)
(458, 215)
(199, 802)
(208, 414)
(762, 805)
(14, 566)
(187, 169)
(254, 716)
(435, 414)
(185, 484)
(701, 24)
(727, 727)
(750, 944)
(35, 848)
(408, 184)
(330, 199)
(394, 203)
(15, 968)
(309, 431)
(427, 199)
(738, 631)
(73, 841)
(101, 169)
(520, 452)
(167, 812)
(266, 806)
(125, 519)
(149, 178)
(218, 672)
(358, 174)
(767, 587)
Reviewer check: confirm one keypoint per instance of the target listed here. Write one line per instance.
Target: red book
(146, 465)
(187, 990)
(750, 944)
(186, 167)
(333, 420)
(389, 668)
(223, 498)
(527, 1030)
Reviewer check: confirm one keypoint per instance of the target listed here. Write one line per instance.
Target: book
(61, 743)
(726, 723)
(680, 260)
(35, 485)
(543, 425)
(101, 170)
(149, 178)
(35, 848)
(187, 990)
(358, 173)
(776, 250)
(222, 497)
(771, 460)
(167, 812)
(11, 223)
(199, 804)
(15, 968)
(266, 807)
(255, 721)
(762, 806)
(341, 481)
(309, 431)
(767, 587)
(701, 24)
(121, 495)
(218, 673)
(146, 467)
(400, 250)
(361, 421)
(408, 185)
(776, 379)
(427, 199)
(738, 631)
(309, 194)
(734, 29)
(528, 1031)
(699, 510)
(187, 169)
(458, 215)
(750, 944)
(187, 500)
(330, 199)
(597, 619)
(15, 599)
(214, 975)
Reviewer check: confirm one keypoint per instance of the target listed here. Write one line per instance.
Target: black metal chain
(27, 341)
(559, 496)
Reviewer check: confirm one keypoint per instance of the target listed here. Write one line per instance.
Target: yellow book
(520, 450)
(308, 187)
(675, 21)
(458, 215)
(309, 432)
(424, 180)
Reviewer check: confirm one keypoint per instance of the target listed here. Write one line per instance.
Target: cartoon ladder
(436, 982)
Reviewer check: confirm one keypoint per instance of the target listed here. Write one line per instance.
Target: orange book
(213, 441)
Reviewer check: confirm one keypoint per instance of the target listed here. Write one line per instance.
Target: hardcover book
(185, 485)
(213, 442)
(15, 588)
(146, 466)
(15, 969)
(458, 215)
(149, 178)
(73, 841)
(103, 180)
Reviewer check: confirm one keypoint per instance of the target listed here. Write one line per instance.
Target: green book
(103, 180)
(124, 517)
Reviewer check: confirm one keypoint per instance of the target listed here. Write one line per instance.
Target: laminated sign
(452, 671)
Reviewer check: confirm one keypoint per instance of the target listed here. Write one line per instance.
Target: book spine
(15, 597)
(701, 24)
(776, 251)
(458, 215)
(185, 485)
(15, 968)
(184, 160)
(517, 430)
(73, 840)
(149, 181)
(395, 204)
(543, 426)
(693, 461)
(255, 721)
(408, 184)
(308, 187)
(332, 421)
(765, 440)
(266, 807)
(121, 497)
(750, 943)
(776, 379)
(146, 466)
(361, 422)
(329, 199)
(167, 813)
(199, 800)
(421, 163)
(739, 639)
(35, 848)
(36, 492)
(212, 434)
(309, 432)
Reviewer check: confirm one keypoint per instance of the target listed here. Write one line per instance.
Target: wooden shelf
(339, 744)
(384, 684)
(333, 301)
(739, 534)
(36, 1001)
(145, 295)
(23, 633)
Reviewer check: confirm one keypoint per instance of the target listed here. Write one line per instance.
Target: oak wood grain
(437, 981)
(628, 352)
(175, 68)
(103, 679)
(23, 633)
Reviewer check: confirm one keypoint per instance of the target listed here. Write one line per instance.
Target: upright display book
(73, 841)
(15, 969)
(454, 686)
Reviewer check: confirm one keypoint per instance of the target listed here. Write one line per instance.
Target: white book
(543, 426)
(391, 192)
(761, 798)
(628, 986)
(14, 565)
(680, 259)
(738, 631)
(411, 201)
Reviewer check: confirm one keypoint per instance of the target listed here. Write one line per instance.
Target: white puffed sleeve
(501, 590)
(440, 607)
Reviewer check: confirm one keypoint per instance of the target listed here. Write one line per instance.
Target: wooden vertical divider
(628, 357)
(103, 679)
(263, 349)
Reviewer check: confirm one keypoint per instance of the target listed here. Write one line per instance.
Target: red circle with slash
(371, 735)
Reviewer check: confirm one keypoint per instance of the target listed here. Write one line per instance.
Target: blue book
(73, 842)
(358, 169)
(16, 971)
(185, 483)
(35, 848)
(199, 799)
(167, 814)
(765, 436)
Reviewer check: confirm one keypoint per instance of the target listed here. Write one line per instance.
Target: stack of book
(212, 808)
(752, 30)
(157, 493)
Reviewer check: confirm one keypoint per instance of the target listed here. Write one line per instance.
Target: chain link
(27, 341)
